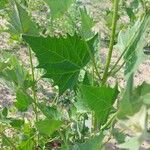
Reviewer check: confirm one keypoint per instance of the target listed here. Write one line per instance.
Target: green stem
(115, 65)
(133, 37)
(94, 63)
(112, 73)
(33, 87)
(83, 129)
(8, 140)
(112, 40)
(109, 122)
(146, 119)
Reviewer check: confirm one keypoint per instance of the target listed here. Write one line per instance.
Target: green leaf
(47, 126)
(99, 100)
(131, 144)
(6, 141)
(131, 104)
(132, 43)
(86, 24)
(16, 123)
(3, 65)
(95, 143)
(62, 58)
(14, 72)
(119, 136)
(130, 13)
(49, 112)
(3, 3)
(87, 79)
(144, 91)
(26, 145)
(20, 21)
(5, 112)
(57, 7)
(23, 101)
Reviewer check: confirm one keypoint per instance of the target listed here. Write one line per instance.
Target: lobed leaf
(86, 24)
(12, 71)
(62, 58)
(57, 7)
(16, 123)
(23, 100)
(94, 143)
(132, 43)
(98, 99)
(20, 21)
(48, 126)
(132, 104)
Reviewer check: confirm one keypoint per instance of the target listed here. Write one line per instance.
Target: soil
(7, 97)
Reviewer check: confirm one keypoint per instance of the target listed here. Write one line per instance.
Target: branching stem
(112, 40)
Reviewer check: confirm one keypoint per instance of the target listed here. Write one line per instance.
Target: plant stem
(112, 118)
(112, 40)
(115, 71)
(117, 62)
(94, 63)
(33, 87)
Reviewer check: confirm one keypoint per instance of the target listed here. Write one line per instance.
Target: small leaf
(15, 73)
(119, 136)
(62, 58)
(87, 79)
(132, 43)
(86, 24)
(20, 21)
(134, 102)
(130, 13)
(47, 127)
(3, 3)
(16, 123)
(99, 100)
(6, 141)
(5, 112)
(26, 145)
(94, 143)
(49, 112)
(131, 144)
(23, 101)
(144, 91)
(57, 7)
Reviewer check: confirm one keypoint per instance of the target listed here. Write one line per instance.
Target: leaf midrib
(73, 63)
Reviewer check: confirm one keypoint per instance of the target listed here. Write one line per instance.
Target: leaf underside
(132, 42)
